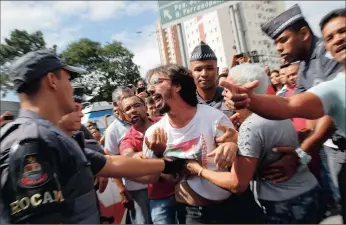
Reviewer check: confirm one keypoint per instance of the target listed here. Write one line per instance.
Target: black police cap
(274, 27)
(202, 52)
(36, 64)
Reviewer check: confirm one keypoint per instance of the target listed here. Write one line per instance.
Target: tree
(109, 66)
(19, 43)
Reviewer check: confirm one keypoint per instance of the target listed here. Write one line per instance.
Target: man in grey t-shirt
(257, 138)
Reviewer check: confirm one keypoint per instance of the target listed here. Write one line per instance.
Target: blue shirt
(332, 96)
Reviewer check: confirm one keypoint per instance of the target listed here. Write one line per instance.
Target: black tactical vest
(70, 201)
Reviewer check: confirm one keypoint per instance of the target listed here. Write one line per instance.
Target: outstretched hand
(238, 96)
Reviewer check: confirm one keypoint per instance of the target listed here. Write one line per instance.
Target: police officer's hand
(229, 135)
(159, 141)
(173, 165)
(236, 96)
(224, 155)
(283, 169)
(126, 199)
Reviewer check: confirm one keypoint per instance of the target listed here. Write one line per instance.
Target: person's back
(271, 134)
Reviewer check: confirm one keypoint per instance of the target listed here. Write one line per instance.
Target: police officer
(45, 177)
(295, 41)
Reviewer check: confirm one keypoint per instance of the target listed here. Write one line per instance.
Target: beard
(165, 108)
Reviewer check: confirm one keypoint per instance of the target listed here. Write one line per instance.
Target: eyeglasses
(157, 80)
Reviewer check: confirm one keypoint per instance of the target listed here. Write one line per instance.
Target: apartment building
(232, 30)
(169, 45)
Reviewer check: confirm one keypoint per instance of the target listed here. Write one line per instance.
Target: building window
(221, 59)
(217, 39)
(215, 29)
(209, 21)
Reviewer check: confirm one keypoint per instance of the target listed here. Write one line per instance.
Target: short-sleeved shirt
(195, 141)
(321, 67)
(114, 134)
(134, 139)
(332, 96)
(257, 137)
(282, 92)
(217, 102)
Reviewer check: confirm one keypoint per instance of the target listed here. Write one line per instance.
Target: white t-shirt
(195, 141)
(114, 134)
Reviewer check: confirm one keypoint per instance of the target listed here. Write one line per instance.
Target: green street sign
(173, 12)
(163, 3)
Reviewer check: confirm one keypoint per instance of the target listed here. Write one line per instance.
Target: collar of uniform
(29, 114)
(217, 98)
(313, 48)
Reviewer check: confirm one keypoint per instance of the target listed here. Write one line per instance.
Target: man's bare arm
(305, 105)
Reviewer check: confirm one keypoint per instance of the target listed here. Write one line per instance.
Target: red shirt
(270, 90)
(298, 123)
(134, 139)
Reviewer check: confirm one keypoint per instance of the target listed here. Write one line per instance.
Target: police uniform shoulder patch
(33, 173)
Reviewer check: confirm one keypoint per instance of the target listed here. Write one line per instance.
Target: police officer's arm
(32, 188)
(306, 105)
(123, 166)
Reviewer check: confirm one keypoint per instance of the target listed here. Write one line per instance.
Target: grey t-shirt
(257, 137)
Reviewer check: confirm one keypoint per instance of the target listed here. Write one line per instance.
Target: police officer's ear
(52, 80)
(304, 33)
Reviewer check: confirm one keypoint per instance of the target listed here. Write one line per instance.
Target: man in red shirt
(160, 190)
(291, 79)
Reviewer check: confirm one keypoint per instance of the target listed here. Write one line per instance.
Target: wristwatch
(304, 157)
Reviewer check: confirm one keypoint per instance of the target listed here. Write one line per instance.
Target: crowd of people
(243, 144)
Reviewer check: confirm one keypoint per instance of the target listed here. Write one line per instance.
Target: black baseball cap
(36, 64)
